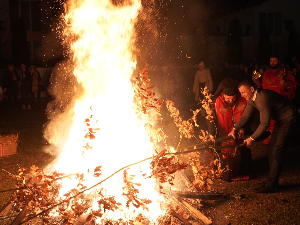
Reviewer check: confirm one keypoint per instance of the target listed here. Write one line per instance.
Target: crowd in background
(247, 71)
(22, 86)
(241, 71)
(173, 82)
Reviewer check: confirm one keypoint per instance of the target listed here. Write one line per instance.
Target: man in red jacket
(279, 80)
(229, 106)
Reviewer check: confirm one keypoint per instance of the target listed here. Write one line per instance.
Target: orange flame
(114, 135)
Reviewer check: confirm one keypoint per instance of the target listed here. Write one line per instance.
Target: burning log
(9, 214)
(20, 217)
(6, 209)
(195, 213)
(177, 198)
(199, 196)
(173, 167)
(178, 216)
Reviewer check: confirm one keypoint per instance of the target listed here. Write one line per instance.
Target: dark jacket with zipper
(270, 105)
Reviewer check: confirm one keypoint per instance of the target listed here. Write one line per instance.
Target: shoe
(23, 107)
(28, 106)
(263, 189)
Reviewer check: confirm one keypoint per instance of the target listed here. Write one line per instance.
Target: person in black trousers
(270, 105)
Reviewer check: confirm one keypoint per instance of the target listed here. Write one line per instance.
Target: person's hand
(248, 142)
(241, 133)
(232, 133)
(4, 90)
(282, 82)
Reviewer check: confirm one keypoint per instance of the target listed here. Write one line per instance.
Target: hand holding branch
(248, 142)
(232, 133)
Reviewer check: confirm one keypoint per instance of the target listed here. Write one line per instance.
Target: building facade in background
(269, 28)
(28, 35)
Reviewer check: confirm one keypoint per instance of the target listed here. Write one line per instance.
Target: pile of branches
(39, 193)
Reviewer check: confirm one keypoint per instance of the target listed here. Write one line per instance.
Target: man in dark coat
(270, 105)
(11, 85)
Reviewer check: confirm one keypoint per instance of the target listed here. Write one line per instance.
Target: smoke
(52, 49)
(64, 90)
(153, 47)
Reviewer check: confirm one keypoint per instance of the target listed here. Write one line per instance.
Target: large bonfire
(111, 167)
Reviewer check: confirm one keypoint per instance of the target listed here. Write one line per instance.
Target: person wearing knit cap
(229, 87)
(225, 84)
(229, 106)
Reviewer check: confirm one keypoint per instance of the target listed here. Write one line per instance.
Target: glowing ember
(105, 129)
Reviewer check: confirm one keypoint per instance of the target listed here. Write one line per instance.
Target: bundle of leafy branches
(37, 191)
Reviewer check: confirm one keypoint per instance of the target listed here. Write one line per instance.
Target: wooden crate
(8, 144)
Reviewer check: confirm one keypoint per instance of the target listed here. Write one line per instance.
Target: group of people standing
(25, 82)
(273, 95)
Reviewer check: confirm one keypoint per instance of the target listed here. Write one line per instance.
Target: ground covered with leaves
(242, 206)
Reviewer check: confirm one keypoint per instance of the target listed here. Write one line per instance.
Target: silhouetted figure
(294, 62)
(202, 79)
(11, 86)
(34, 83)
(24, 86)
(229, 72)
(241, 72)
